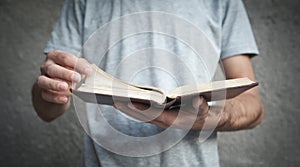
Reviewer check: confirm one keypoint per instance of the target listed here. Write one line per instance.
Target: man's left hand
(191, 116)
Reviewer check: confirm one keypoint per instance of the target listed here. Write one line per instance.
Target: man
(224, 22)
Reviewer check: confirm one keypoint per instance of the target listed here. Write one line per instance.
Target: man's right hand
(59, 72)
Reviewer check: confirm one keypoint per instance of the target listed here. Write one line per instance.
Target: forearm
(243, 112)
(47, 111)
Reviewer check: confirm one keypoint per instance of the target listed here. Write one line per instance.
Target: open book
(103, 88)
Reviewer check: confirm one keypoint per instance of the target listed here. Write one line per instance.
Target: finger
(138, 107)
(168, 117)
(181, 119)
(121, 106)
(197, 101)
(150, 112)
(138, 111)
(52, 84)
(54, 97)
(204, 107)
(159, 124)
(200, 105)
(83, 67)
(61, 93)
(56, 71)
(66, 59)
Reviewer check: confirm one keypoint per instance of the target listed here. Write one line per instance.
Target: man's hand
(50, 94)
(191, 116)
(58, 72)
(242, 112)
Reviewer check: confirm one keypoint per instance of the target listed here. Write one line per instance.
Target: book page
(101, 82)
(211, 86)
(136, 94)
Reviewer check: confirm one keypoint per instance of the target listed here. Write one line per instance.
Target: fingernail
(63, 99)
(62, 86)
(76, 77)
(88, 70)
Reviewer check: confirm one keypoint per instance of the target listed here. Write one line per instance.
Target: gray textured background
(26, 141)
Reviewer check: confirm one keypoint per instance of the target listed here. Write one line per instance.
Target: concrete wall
(26, 141)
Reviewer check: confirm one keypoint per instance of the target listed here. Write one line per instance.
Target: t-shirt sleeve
(237, 35)
(67, 34)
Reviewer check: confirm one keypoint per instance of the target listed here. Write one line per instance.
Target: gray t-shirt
(164, 58)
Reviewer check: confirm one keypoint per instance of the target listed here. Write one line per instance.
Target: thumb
(197, 101)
